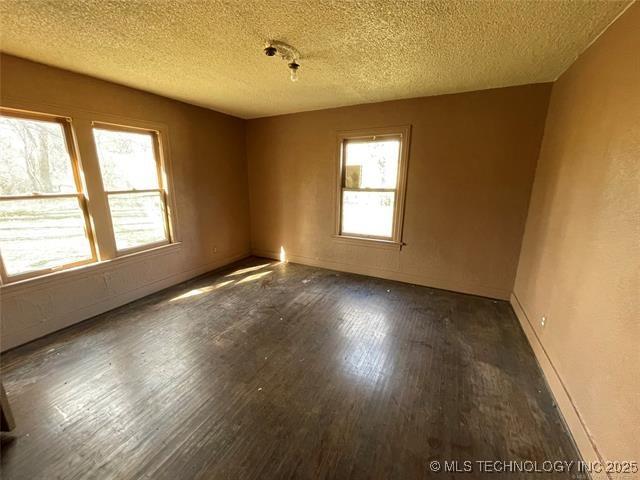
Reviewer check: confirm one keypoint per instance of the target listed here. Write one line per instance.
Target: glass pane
(138, 219)
(33, 158)
(368, 213)
(372, 164)
(127, 160)
(36, 234)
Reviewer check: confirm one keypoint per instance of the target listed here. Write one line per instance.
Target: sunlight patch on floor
(247, 270)
(255, 276)
(201, 290)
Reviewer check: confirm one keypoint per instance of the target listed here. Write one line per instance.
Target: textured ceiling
(209, 52)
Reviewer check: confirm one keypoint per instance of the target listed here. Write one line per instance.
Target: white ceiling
(209, 52)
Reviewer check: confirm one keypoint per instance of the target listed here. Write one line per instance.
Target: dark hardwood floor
(271, 371)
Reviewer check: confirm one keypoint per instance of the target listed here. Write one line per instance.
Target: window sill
(127, 252)
(368, 242)
(49, 279)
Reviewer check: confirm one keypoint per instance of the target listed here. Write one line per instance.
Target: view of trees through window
(41, 222)
(369, 187)
(130, 177)
(34, 158)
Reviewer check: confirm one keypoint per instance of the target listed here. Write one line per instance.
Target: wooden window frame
(80, 195)
(78, 130)
(163, 188)
(403, 133)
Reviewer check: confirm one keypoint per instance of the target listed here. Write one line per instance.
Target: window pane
(36, 234)
(138, 219)
(33, 158)
(127, 160)
(368, 213)
(372, 164)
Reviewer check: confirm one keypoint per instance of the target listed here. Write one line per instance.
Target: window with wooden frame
(371, 184)
(132, 177)
(44, 223)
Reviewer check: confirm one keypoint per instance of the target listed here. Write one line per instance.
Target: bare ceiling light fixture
(286, 52)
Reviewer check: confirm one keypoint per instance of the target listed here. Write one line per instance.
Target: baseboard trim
(423, 280)
(568, 410)
(68, 319)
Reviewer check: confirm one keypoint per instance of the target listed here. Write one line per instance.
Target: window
(132, 179)
(44, 225)
(371, 184)
(58, 211)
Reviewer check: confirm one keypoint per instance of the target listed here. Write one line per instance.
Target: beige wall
(580, 261)
(207, 153)
(471, 166)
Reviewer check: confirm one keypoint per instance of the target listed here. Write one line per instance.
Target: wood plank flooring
(269, 370)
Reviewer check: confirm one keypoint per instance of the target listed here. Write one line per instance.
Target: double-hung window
(58, 211)
(133, 182)
(371, 184)
(44, 225)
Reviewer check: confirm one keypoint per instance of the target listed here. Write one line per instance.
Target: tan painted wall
(472, 161)
(207, 152)
(580, 261)
(471, 166)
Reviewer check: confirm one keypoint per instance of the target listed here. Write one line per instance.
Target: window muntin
(44, 224)
(131, 176)
(369, 186)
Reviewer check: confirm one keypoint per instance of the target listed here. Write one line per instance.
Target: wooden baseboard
(370, 271)
(568, 410)
(78, 315)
